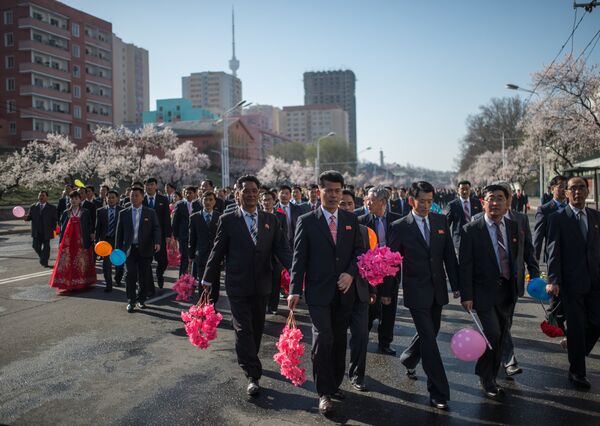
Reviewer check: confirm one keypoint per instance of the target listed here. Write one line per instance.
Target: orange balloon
(372, 239)
(103, 248)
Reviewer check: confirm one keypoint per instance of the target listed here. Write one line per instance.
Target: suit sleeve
(554, 267)
(220, 246)
(394, 244)
(528, 252)
(28, 217)
(450, 262)
(156, 237)
(449, 214)
(281, 246)
(539, 232)
(358, 250)
(98, 227)
(466, 265)
(300, 258)
(168, 231)
(119, 238)
(175, 223)
(191, 236)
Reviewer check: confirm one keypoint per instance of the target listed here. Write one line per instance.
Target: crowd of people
(480, 245)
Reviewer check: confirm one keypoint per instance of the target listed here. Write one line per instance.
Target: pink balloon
(18, 211)
(467, 344)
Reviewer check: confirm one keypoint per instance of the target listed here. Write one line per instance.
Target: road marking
(24, 277)
(161, 297)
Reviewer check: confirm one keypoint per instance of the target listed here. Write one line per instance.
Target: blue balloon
(118, 257)
(537, 289)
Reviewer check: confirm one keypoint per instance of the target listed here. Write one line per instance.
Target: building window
(12, 128)
(10, 85)
(8, 17)
(77, 132)
(76, 71)
(75, 30)
(9, 62)
(11, 105)
(77, 111)
(76, 51)
(8, 40)
(76, 92)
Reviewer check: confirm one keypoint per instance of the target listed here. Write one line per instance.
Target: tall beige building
(215, 91)
(308, 123)
(267, 117)
(131, 84)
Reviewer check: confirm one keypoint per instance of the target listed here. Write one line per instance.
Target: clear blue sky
(421, 67)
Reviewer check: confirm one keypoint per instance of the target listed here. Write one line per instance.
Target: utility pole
(587, 6)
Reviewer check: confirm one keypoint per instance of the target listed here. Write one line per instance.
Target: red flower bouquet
(201, 322)
(378, 263)
(184, 287)
(290, 352)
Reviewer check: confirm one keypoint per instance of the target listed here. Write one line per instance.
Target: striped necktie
(333, 228)
(253, 227)
(111, 222)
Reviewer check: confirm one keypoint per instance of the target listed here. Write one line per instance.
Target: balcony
(97, 118)
(30, 22)
(105, 100)
(97, 61)
(43, 91)
(98, 43)
(97, 79)
(44, 48)
(25, 67)
(48, 115)
(29, 135)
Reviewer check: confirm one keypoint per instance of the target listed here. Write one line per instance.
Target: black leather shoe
(151, 294)
(141, 305)
(579, 381)
(160, 282)
(130, 308)
(325, 405)
(108, 288)
(411, 373)
(386, 350)
(117, 283)
(513, 370)
(253, 387)
(358, 385)
(490, 389)
(438, 403)
(338, 394)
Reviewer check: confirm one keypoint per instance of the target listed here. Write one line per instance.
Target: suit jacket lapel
(245, 230)
(574, 224)
(488, 241)
(324, 226)
(418, 235)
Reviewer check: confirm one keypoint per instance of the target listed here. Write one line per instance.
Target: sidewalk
(9, 227)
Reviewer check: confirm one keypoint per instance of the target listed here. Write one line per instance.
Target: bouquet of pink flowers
(201, 322)
(285, 281)
(290, 352)
(184, 287)
(378, 263)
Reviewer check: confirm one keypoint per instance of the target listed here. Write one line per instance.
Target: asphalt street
(81, 359)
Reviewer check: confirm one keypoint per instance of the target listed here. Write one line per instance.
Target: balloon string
(480, 329)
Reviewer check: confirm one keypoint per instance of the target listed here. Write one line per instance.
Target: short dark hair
(105, 186)
(209, 194)
(313, 186)
(91, 188)
(191, 188)
(298, 188)
(269, 193)
(331, 176)
(137, 183)
(282, 187)
(495, 187)
(178, 193)
(247, 178)
(137, 188)
(151, 180)
(350, 193)
(557, 179)
(74, 194)
(171, 185)
(579, 177)
(420, 186)
(210, 182)
(112, 191)
(44, 192)
(463, 182)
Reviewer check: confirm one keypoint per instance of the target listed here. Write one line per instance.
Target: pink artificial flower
(379, 263)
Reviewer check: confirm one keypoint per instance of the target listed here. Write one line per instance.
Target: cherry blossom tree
(276, 172)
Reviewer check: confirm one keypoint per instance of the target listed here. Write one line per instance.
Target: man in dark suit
(488, 279)
(313, 202)
(380, 220)
(138, 235)
(106, 227)
(87, 202)
(267, 200)
(292, 211)
(160, 204)
(574, 273)
(64, 202)
(247, 239)
(401, 206)
(202, 232)
(181, 224)
(359, 321)
(424, 240)
(207, 185)
(461, 210)
(326, 246)
(42, 216)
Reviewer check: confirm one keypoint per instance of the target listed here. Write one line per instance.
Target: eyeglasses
(575, 188)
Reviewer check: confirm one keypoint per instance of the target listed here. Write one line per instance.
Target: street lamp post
(318, 159)
(225, 144)
(360, 152)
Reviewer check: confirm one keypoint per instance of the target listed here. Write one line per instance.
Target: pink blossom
(290, 352)
(184, 287)
(201, 324)
(379, 263)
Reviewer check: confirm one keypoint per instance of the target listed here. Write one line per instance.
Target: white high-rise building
(308, 123)
(214, 91)
(131, 84)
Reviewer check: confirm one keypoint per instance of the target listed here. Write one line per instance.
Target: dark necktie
(504, 264)
(253, 228)
(380, 230)
(151, 202)
(426, 231)
(208, 218)
(111, 222)
(582, 225)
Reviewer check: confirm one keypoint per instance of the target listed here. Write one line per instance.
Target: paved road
(83, 360)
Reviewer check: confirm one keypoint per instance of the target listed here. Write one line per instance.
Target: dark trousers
(424, 346)
(329, 341)
(137, 269)
(248, 313)
(42, 248)
(495, 323)
(198, 273)
(508, 347)
(107, 271)
(183, 255)
(162, 261)
(583, 325)
(276, 286)
(386, 314)
(359, 339)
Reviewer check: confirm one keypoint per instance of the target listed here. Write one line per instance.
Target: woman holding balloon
(75, 268)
